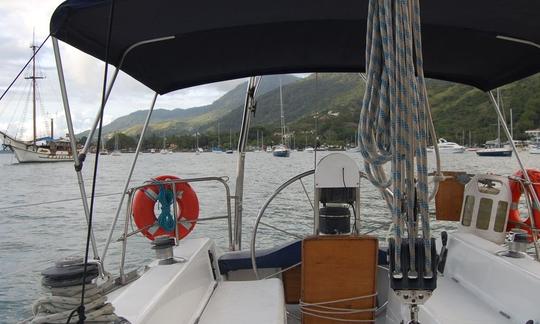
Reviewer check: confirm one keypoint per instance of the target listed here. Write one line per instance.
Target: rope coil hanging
(395, 120)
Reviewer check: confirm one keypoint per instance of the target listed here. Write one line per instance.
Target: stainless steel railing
(129, 214)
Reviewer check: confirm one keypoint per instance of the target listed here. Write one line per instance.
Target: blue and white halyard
(394, 121)
(339, 273)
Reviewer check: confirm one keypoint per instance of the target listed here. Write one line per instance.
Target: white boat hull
(448, 150)
(534, 150)
(28, 153)
(30, 156)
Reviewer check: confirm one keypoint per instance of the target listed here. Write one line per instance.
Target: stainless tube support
(536, 202)
(73, 141)
(175, 213)
(126, 185)
(123, 278)
(92, 131)
(249, 110)
(111, 84)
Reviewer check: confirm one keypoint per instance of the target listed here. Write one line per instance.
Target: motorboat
(448, 147)
(281, 150)
(534, 146)
(481, 272)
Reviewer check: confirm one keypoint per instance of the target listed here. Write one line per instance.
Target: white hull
(446, 147)
(27, 153)
(448, 150)
(534, 150)
(27, 156)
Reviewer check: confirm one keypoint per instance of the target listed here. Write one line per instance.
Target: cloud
(19, 20)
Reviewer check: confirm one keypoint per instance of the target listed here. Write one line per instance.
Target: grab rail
(129, 214)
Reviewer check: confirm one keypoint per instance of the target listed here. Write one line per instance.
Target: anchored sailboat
(44, 149)
(230, 150)
(116, 151)
(496, 148)
(282, 150)
(218, 149)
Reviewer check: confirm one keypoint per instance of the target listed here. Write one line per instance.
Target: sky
(19, 19)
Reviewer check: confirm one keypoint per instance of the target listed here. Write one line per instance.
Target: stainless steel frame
(128, 180)
(78, 159)
(111, 84)
(73, 141)
(129, 214)
(249, 110)
(527, 182)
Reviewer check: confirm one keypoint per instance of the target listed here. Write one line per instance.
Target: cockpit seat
(231, 301)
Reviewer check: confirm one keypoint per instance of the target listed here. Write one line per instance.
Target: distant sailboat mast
(499, 144)
(282, 115)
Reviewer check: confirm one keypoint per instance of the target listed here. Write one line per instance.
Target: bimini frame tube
(528, 183)
(72, 140)
(128, 180)
(249, 110)
(111, 84)
(98, 116)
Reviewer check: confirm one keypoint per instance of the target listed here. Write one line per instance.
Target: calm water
(32, 236)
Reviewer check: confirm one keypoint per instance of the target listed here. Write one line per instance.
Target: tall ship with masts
(38, 149)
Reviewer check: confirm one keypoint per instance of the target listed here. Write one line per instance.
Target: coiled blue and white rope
(395, 120)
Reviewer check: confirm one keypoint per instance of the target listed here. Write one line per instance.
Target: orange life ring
(146, 198)
(514, 218)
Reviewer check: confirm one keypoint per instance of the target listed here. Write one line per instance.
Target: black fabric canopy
(217, 40)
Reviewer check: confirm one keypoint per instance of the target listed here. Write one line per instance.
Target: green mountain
(169, 122)
(330, 103)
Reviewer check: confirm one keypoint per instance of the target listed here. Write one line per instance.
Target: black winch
(69, 272)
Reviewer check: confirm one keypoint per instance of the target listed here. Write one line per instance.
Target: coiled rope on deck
(395, 118)
(59, 304)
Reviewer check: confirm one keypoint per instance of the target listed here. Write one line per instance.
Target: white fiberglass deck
(478, 286)
(175, 293)
(189, 292)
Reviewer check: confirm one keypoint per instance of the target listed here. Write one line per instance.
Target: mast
(498, 121)
(262, 140)
(281, 109)
(230, 139)
(197, 140)
(511, 124)
(52, 129)
(218, 144)
(34, 78)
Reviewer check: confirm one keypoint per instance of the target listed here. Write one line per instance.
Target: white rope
(61, 301)
(395, 120)
(326, 311)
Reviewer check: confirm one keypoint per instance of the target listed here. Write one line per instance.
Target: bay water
(41, 216)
